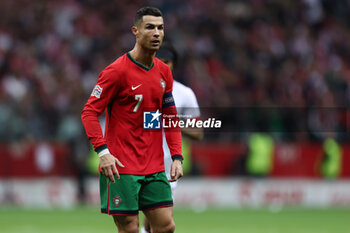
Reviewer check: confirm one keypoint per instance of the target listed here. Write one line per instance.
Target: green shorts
(133, 193)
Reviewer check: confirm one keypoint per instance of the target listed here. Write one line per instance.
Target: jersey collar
(138, 63)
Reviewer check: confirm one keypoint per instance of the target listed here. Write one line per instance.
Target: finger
(110, 175)
(177, 176)
(172, 170)
(104, 172)
(177, 173)
(111, 178)
(117, 173)
(173, 176)
(119, 163)
(114, 169)
(181, 172)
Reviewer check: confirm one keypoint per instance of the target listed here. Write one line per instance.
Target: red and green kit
(124, 90)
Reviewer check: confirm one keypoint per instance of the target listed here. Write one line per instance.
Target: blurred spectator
(261, 53)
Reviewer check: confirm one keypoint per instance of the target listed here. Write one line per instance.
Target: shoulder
(116, 68)
(184, 95)
(165, 73)
(120, 63)
(162, 67)
(185, 90)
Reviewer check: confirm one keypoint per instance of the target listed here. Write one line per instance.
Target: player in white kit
(187, 108)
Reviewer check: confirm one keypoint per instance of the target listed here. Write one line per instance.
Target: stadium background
(274, 71)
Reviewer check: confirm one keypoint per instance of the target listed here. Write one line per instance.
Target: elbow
(84, 114)
(194, 134)
(87, 113)
(198, 135)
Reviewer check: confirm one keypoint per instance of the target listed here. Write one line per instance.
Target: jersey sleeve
(173, 135)
(102, 94)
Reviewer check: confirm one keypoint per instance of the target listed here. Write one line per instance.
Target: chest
(145, 88)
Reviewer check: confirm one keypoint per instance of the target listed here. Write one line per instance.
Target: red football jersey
(124, 90)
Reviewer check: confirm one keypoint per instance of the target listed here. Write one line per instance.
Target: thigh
(160, 217)
(127, 223)
(122, 197)
(155, 192)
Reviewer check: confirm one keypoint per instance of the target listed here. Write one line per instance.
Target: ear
(134, 30)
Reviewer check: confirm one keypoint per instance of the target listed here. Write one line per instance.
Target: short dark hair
(148, 10)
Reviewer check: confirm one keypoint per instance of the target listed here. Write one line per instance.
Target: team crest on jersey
(162, 84)
(117, 200)
(97, 91)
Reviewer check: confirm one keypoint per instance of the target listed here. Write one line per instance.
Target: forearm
(173, 139)
(93, 129)
(195, 134)
(173, 134)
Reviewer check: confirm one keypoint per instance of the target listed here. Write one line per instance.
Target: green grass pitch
(89, 220)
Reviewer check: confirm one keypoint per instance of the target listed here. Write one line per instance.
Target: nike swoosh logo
(134, 88)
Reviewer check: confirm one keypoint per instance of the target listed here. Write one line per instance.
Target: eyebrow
(156, 25)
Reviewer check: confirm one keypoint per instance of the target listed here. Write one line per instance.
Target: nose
(156, 32)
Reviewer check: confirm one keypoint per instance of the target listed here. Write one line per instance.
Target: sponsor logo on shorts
(117, 200)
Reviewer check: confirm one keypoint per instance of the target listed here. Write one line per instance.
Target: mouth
(155, 42)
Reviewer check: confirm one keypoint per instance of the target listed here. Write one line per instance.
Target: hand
(176, 171)
(108, 167)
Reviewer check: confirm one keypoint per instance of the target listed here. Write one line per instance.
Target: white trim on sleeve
(103, 152)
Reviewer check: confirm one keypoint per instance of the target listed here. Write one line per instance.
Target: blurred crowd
(284, 60)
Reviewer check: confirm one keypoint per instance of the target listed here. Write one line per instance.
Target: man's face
(150, 32)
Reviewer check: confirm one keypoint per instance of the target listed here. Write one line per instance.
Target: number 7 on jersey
(138, 98)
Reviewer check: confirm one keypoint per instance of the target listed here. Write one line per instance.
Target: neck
(145, 57)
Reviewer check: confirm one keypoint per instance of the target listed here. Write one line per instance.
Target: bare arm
(194, 134)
